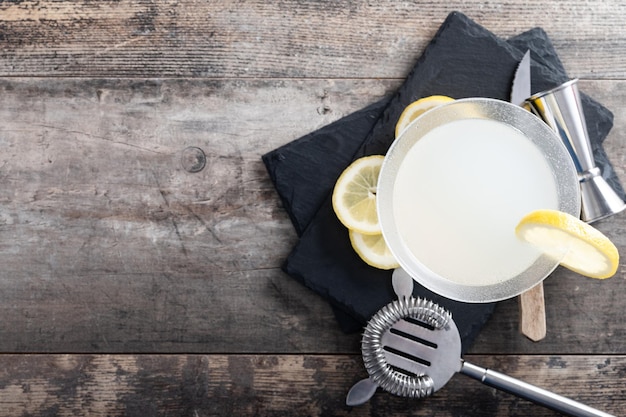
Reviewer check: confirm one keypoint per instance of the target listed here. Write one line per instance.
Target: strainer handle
(530, 392)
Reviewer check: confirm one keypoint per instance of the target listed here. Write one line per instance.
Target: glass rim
(551, 146)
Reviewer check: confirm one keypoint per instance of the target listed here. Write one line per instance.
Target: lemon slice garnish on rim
(417, 108)
(577, 245)
(373, 250)
(354, 196)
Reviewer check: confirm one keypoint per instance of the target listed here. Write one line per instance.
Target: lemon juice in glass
(454, 185)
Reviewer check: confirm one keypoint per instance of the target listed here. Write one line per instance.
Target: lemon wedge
(373, 250)
(354, 195)
(575, 244)
(415, 109)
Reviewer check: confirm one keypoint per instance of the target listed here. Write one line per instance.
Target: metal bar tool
(562, 110)
(412, 348)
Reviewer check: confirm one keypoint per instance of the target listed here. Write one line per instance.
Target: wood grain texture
(532, 308)
(280, 385)
(108, 244)
(292, 38)
(130, 286)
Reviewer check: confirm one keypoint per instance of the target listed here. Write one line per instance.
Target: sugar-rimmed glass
(560, 170)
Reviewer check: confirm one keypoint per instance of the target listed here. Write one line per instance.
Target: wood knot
(193, 159)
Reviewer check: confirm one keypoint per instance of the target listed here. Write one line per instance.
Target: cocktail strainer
(412, 347)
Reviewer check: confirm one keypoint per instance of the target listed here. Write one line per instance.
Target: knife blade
(520, 90)
(532, 321)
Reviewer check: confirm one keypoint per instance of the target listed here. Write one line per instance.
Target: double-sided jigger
(562, 110)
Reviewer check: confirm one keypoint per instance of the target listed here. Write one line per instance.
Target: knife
(532, 304)
(520, 90)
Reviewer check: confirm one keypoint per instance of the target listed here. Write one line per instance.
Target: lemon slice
(373, 250)
(577, 245)
(354, 196)
(415, 109)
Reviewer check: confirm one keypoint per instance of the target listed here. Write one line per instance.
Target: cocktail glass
(452, 188)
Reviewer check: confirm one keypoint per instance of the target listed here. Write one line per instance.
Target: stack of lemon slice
(354, 202)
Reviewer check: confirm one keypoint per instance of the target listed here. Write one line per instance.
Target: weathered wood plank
(108, 245)
(278, 385)
(137, 38)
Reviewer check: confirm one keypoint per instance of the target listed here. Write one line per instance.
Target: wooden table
(131, 285)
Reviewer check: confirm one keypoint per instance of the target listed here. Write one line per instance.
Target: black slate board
(462, 60)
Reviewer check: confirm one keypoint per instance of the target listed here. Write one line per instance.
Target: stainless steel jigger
(562, 110)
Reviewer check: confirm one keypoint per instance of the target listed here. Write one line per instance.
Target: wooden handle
(533, 313)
